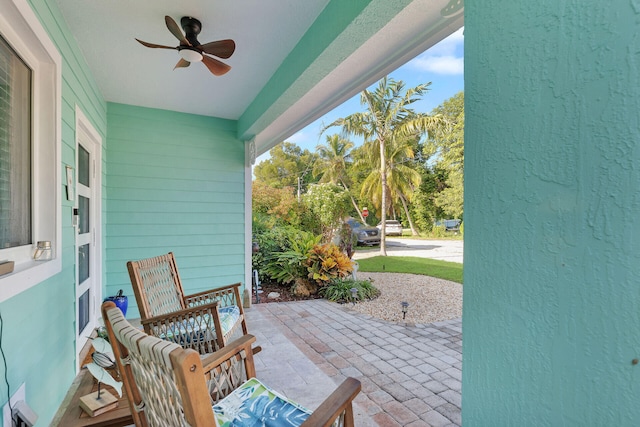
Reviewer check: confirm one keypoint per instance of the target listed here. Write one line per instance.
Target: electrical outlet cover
(19, 395)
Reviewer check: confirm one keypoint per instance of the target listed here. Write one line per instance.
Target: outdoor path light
(354, 295)
(405, 307)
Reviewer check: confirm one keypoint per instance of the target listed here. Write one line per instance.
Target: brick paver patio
(410, 375)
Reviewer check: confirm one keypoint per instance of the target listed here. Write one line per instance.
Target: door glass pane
(83, 166)
(83, 263)
(83, 215)
(83, 311)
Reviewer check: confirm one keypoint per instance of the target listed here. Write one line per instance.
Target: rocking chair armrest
(337, 402)
(178, 316)
(232, 349)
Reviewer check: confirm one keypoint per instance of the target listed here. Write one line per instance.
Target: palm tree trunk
(383, 210)
(406, 211)
(353, 201)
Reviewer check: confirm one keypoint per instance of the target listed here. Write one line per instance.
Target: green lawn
(406, 264)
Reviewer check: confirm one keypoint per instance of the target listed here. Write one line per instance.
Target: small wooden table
(74, 416)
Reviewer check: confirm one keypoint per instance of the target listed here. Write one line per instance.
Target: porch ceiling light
(190, 55)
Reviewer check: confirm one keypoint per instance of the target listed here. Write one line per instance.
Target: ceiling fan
(190, 48)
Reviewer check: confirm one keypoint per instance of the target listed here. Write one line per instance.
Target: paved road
(446, 250)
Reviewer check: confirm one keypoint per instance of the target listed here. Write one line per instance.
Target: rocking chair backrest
(165, 383)
(156, 285)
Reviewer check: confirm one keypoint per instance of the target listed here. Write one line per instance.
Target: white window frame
(20, 27)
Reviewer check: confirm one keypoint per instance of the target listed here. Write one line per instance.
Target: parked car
(393, 227)
(366, 234)
(449, 224)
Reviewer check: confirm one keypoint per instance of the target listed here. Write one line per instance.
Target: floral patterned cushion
(256, 405)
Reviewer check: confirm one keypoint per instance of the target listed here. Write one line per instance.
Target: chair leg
(348, 416)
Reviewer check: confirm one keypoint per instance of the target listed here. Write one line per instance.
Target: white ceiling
(130, 73)
(265, 32)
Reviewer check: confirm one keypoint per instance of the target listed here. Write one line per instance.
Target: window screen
(15, 149)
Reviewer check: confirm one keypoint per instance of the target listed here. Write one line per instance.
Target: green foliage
(339, 290)
(429, 267)
(438, 231)
(285, 267)
(450, 200)
(273, 240)
(280, 203)
(327, 262)
(286, 163)
(447, 145)
(424, 209)
(329, 203)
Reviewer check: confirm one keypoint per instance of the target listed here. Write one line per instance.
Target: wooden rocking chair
(170, 386)
(204, 321)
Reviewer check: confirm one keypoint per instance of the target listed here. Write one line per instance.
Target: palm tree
(332, 163)
(402, 178)
(386, 119)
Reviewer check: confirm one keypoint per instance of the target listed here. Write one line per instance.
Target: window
(30, 139)
(15, 149)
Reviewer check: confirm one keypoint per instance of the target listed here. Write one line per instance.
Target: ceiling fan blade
(183, 63)
(221, 48)
(155, 46)
(176, 31)
(216, 67)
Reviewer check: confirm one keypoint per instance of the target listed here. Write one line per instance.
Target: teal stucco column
(552, 213)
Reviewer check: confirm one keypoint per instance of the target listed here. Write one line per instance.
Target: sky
(442, 65)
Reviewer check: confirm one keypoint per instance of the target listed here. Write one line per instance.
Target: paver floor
(410, 375)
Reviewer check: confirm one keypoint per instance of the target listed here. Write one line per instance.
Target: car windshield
(354, 224)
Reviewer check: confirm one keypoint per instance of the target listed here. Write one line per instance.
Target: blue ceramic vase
(120, 301)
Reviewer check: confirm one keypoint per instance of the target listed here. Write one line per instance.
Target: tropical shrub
(327, 262)
(329, 203)
(272, 241)
(280, 203)
(339, 290)
(287, 266)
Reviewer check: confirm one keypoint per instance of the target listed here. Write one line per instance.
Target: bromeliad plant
(327, 262)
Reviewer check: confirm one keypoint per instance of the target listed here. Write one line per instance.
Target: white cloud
(440, 64)
(443, 58)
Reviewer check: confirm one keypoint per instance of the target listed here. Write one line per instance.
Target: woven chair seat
(255, 404)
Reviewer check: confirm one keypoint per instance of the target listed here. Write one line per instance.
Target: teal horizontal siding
(175, 182)
(152, 183)
(39, 324)
(181, 228)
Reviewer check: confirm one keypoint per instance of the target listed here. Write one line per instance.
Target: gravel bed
(430, 299)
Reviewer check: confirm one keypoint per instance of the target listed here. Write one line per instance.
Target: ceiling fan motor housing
(191, 27)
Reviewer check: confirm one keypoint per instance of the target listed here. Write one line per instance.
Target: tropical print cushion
(195, 329)
(256, 405)
(228, 317)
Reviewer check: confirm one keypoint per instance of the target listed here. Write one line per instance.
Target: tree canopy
(286, 164)
(447, 145)
(396, 171)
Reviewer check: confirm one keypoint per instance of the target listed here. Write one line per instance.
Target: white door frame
(91, 140)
